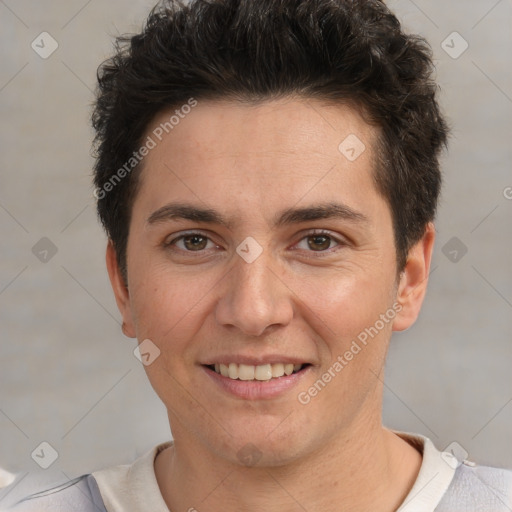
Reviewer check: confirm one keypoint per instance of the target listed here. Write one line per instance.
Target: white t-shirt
(443, 484)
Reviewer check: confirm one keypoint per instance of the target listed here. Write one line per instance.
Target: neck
(364, 468)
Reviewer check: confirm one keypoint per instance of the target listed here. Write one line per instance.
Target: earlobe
(413, 282)
(120, 290)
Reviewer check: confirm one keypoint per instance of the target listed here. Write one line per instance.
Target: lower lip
(257, 389)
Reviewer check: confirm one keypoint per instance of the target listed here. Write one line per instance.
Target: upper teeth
(260, 372)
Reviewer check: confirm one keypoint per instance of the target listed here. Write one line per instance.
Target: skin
(251, 162)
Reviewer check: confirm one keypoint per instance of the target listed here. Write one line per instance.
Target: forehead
(263, 129)
(258, 155)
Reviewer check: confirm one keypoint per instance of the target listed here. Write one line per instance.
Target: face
(281, 254)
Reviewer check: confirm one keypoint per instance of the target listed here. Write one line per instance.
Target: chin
(269, 445)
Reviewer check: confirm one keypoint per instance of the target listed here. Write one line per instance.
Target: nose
(254, 297)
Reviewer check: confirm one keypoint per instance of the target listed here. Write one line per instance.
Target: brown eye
(190, 242)
(195, 242)
(319, 242)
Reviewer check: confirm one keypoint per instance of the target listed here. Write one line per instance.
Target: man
(267, 173)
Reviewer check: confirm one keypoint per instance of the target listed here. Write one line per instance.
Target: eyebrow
(289, 216)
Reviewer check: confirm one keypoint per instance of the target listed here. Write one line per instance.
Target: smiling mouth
(264, 372)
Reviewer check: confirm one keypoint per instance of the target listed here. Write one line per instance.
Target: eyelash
(317, 232)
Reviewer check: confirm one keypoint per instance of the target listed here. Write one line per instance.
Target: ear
(120, 289)
(413, 280)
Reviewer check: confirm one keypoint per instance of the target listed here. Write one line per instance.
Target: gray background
(69, 376)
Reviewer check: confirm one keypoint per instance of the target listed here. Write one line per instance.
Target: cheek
(346, 301)
(167, 310)
(165, 304)
(354, 340)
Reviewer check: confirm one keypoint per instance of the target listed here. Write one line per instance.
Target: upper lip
(254, 361)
